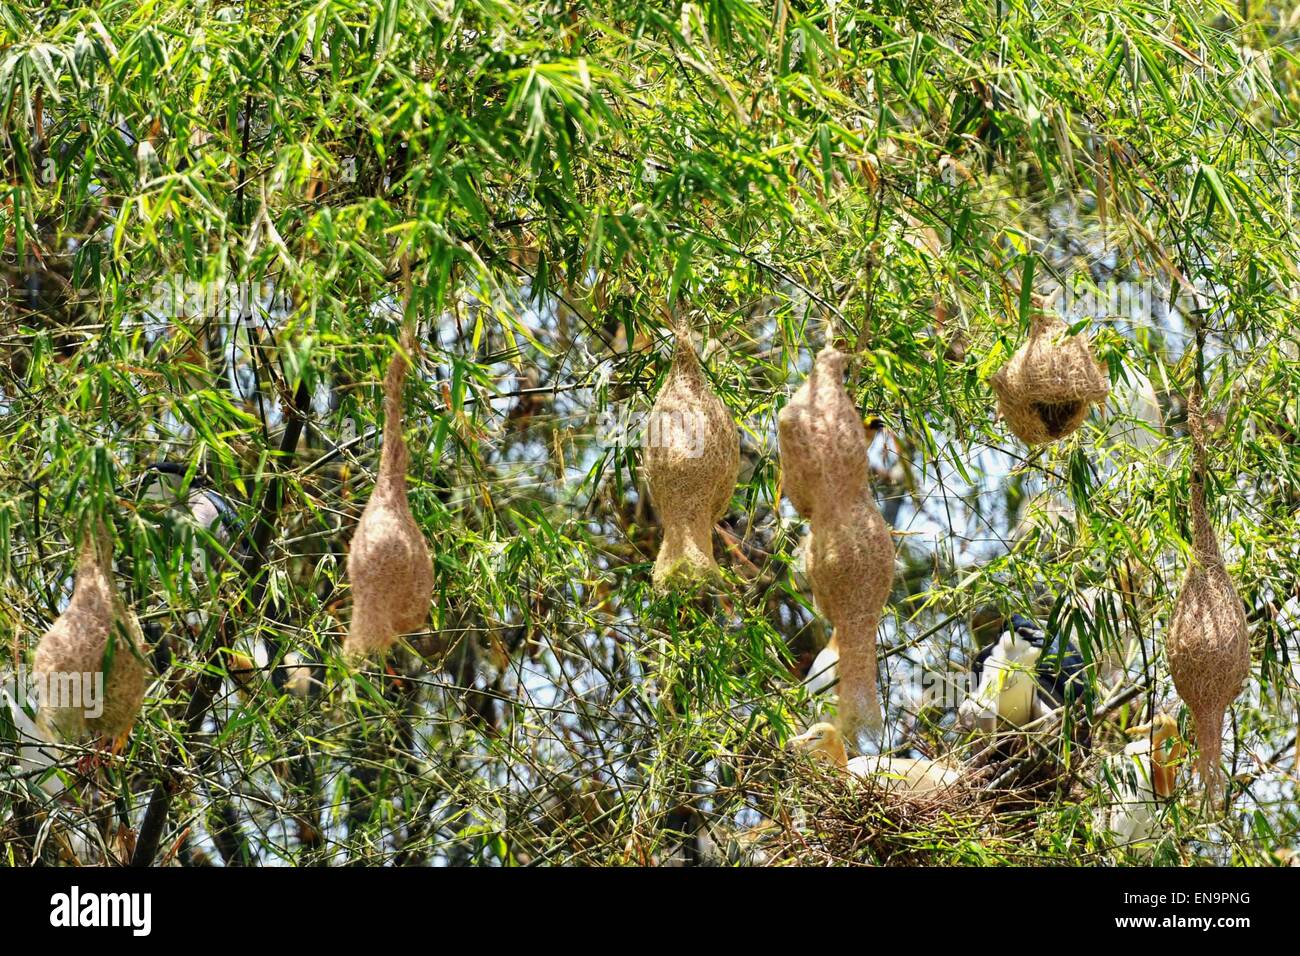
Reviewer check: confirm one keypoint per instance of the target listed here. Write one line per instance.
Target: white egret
(913, 775)
(1142, 779)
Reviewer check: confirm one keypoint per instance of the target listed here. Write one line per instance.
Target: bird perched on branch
(1142, 778)
(165, 481)
(914, 775)
(1021, 677)
(196, 503)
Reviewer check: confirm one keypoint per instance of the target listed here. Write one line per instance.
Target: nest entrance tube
(850, 555)
(691, 461)
(389, 563)
(1045, 390)
(850, 566)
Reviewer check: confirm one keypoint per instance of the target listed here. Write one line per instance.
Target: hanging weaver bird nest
(691, 461)
(97, 634)
(850, 555)
(823, 443)
(1045, 390)
(1208, 644)
(388, 561)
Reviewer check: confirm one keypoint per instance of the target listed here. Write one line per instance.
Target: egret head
(824, 739)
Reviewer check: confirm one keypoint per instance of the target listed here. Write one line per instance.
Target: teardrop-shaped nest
(1209, 657)
(389, 563)
(1208, 644)
(1045, 390)
(76, 646)
(822, 439)
(691, 460)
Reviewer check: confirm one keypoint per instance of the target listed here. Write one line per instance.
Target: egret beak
(802, 741)
(1142, 731)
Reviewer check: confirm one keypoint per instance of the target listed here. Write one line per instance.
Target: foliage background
(561, 179)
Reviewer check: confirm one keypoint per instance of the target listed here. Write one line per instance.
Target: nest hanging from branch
(850, 554)
(96, 634)
(1208, 644)
(1045, 390)
(822, 439)
(691, 461)
(388, 561)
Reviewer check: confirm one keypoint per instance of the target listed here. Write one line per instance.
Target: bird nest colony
(692, 459)
(850, 555)
(1045, 390)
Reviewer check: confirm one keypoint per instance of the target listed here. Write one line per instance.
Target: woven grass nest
(823, 442)
(865, 823)
(96, 627)
(1208, 644)
(852, 820)
(691, 461)
(850, 554)
(1045, 390)
(388, 561)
